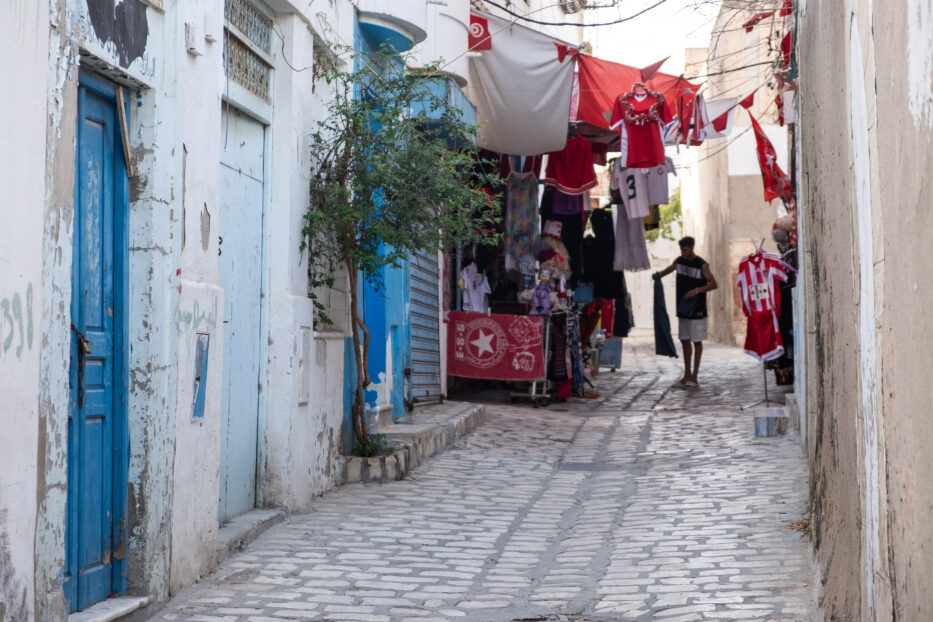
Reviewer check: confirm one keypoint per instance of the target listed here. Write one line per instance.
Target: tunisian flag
(776, 181)
(495, 347)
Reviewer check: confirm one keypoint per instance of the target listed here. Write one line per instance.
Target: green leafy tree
(394, 171)
(671, 217)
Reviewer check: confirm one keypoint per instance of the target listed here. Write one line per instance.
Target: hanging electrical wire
(519, 16)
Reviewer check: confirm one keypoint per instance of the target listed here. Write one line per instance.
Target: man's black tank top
(690, 276)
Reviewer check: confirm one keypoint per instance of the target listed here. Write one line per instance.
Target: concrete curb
(239, 531)
(414, 443)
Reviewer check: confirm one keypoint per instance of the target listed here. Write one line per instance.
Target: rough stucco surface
(870, 458)
(827, 203)
(22, 175)
(905, 180)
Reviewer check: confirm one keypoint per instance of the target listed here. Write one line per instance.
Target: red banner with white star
(495, 347)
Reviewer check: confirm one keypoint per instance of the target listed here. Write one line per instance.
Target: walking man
(694, 279)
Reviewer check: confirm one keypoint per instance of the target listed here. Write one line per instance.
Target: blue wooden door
(96, 456)
(241, 200)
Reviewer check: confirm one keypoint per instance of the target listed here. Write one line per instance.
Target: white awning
(521, 91)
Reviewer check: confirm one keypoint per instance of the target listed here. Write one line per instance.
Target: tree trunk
(362, 357)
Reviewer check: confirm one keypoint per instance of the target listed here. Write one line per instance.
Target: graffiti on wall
(16, 323)
(198, 319)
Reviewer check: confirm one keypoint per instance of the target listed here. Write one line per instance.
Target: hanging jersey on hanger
(640, 119)
(657, 183)
(758, 284)
(475, 289)
(633, 188)
(757, 281)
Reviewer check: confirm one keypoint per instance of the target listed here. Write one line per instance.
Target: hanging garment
(624, 320)
(571, 232)
(758, 284)
(657, 183)
(633, 188)
(567, 204)
(557, 368)
(576, 352)
(571, 169)
(475, 289)
(521, 234)
(607, 317)
(653, 219)
(631, 251)
(640, 118)
(663, 342)
(607, 283)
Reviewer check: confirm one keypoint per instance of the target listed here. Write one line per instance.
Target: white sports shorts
(692, 330)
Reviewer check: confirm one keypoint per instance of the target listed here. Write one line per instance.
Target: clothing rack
(767, 400)
(538, 390)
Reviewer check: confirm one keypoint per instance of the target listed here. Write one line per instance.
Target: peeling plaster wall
(302, 439)
(174, 133)
(125, 51)
(868, 166)
(901, 191)
(831, 286)
(24, 36)
(200, 83)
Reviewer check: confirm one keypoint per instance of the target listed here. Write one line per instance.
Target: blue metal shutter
(425, 328)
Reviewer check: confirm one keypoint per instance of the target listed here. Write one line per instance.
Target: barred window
(248, 47)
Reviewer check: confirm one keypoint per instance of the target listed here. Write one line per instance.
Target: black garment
(663, 341)
(557, 368)
(690, 276)
(786, 316)
(598, 254)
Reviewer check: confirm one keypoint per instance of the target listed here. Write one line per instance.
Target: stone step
(414, 444)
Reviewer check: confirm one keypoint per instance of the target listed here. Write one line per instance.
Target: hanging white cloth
(521, 90)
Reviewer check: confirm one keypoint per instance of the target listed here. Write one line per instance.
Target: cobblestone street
(652, 503)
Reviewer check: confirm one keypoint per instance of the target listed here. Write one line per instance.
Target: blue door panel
(96, 426)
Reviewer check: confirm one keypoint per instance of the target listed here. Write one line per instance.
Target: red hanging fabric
(571, 169)
(750, 24)
(776, 181)
(601, 81)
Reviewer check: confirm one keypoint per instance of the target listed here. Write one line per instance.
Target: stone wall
(866, 120)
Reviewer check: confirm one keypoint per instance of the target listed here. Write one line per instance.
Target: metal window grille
(248, 47)
(572, 6)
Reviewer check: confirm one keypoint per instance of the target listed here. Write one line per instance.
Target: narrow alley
(652, 503)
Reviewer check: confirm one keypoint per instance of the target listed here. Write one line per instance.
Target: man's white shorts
(692, 330)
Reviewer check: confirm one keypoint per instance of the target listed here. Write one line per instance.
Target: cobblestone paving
(652, 503)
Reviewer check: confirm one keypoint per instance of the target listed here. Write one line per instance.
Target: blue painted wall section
(384, 309)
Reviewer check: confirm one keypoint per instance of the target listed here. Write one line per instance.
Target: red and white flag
(750, 24)
(480, 38)
(776, 181)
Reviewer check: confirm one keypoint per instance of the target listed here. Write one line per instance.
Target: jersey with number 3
(633, 186)
(758, 282)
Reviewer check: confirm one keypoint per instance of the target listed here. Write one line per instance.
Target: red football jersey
(757, 280)
(641, 121)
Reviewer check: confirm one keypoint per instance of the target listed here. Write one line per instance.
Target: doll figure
(541, 301)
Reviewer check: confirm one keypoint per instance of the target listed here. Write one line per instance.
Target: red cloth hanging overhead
(776, 182)
(602, 81)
